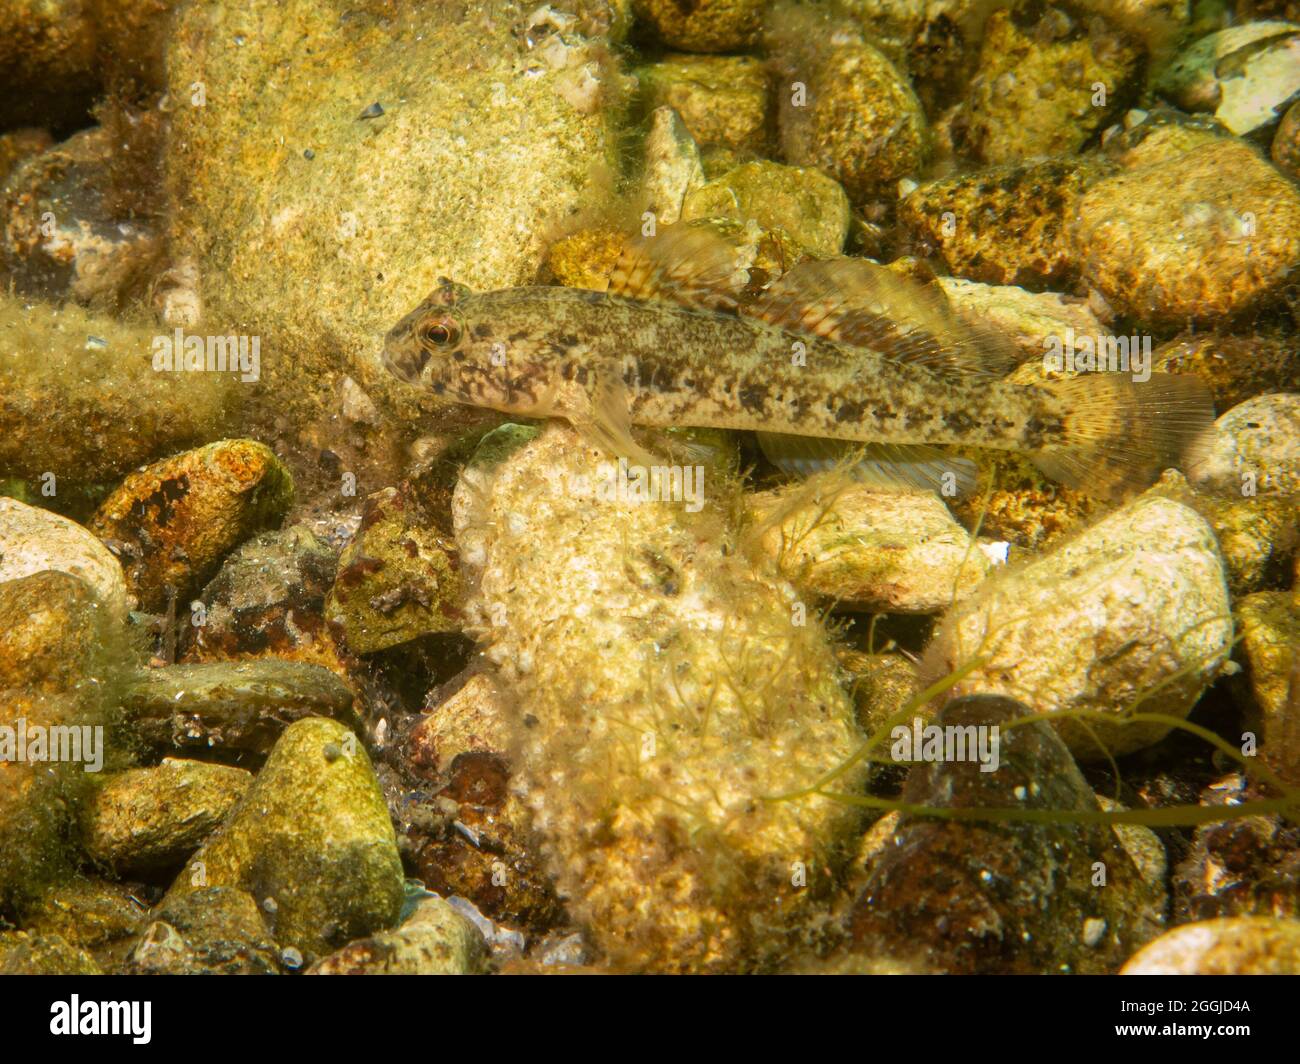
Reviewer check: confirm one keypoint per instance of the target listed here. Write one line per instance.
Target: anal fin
(885, 465)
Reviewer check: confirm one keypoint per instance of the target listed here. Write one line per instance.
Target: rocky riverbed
(306, 671)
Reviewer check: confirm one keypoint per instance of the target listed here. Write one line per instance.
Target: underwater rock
(1205, 235)
(1028, 320)
(267, 600)
(936, 41)
(1157, 135)
(487, 140)
(1270, 629)
(1004, 225)
(212, 931)
(59, 236)
(1254, 449)
(1256, 534)
(434, 940)
(972, 896)
(1247, 866)
(657, 691)
(236, 706)
(47, 52)
(1134, 607)
(173, 522)
(805, 204)
(842, 106)
(26, 954)
(100, 916)
(1048, 78)
(397, 580)
(704, 26)
(1236, 367)
(18, 144)
(81, 401)
(672, 167)
(721, 99)
(1246, 945)
(33, 540)
(311, 840)
(1245, 74)
(881, 685)
(58, 687)
(1286, 143)
(150, 817)
(586, 258)
(866, 548)
(482, 849)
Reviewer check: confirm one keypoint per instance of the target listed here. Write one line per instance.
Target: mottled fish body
(832, 355)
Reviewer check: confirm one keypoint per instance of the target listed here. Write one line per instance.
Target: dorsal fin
(684, 263)
(862, 304)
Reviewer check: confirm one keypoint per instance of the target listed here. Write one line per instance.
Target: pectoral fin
(609, 422)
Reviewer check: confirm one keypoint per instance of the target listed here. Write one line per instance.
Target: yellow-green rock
(311, 841)
(722, 99)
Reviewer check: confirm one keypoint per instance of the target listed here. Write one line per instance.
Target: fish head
(499, 350)
(418, 348)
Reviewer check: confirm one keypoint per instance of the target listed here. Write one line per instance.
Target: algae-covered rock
(100, 916)
(25, 954)
(865, 548)
(33, 540)
(149, 817)
(397, 580)
(1257, 534)
(482, 849)
(1253, 449)
(213, 931)
(400, 151)
(1152, 136)
(1270, 630)
(804, 203)
(80, 398)
(1031, 321)
(1243, 866)
(1235, 366)
(706, 26)
(18, 144)
(881, 684)
(172, 523)
(672, 167)
(1286, 143)
(60, 234)
(58, 688)
(268, 600)
(978, 897)
(47, 51)
(1134, 607)
(1246, 945)
(1202, 236)
(658, 691)
(1048, 78)
(1245, 74)
(434, 940)
(721, 99)
(586, 258)
(311, 841)
(842, 106)
(235, 706)
(1005, 225)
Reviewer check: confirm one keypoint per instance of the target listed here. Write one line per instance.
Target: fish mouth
(406, 361)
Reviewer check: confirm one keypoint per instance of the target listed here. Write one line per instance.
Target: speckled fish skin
(537, 352)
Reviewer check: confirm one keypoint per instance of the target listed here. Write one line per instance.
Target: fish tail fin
(1122, 434)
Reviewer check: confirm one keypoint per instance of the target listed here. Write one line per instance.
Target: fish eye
(441, 332)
